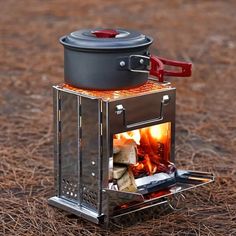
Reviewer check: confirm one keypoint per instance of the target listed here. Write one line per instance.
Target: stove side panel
(56, 139)
(90, 153)
(68, 127)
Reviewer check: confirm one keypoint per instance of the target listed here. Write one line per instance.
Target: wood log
(127, 152)
(118, 171)
(117, 143)
(127, 182)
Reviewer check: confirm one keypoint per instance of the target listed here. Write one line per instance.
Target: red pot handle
(157, 68)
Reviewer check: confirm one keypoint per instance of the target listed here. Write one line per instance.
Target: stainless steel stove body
(84, 124)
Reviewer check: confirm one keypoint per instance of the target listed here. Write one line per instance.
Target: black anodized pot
(111, 59)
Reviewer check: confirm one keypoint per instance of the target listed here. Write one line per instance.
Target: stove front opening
(141, 160)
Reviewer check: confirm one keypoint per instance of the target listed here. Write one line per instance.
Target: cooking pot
(108, 59)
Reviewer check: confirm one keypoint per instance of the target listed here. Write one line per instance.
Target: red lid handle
(109, 33)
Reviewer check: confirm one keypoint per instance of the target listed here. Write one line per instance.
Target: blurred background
(31, 61)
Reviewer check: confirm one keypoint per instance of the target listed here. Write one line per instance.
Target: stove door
(121, 203)
(141, 111)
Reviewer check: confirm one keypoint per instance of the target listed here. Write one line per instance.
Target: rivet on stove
(93, 163)
(122, 63)
(141, 61)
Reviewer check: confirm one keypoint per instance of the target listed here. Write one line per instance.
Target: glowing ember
(111, 94)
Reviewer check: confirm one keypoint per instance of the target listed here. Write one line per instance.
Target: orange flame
(153, 144)
(157, 132)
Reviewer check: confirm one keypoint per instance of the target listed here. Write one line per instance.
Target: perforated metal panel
(89, 197)
(69, 189)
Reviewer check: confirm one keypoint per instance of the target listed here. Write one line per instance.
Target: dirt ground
(31, 61)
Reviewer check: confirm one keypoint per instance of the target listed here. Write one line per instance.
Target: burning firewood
(127, 182)
(149, 166)
(138, 169)
(150, 146)
(126, 151)
(118, 171)
(158, 149)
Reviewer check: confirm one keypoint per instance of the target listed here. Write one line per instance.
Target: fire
(135, 135)
(150, 167)
(159, 132)
(153, 149)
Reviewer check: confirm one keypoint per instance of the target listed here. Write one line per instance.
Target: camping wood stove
(114, 151)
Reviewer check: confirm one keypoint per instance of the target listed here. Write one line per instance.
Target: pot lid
(105, 39)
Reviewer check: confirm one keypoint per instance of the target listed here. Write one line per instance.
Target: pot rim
(89, 48)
